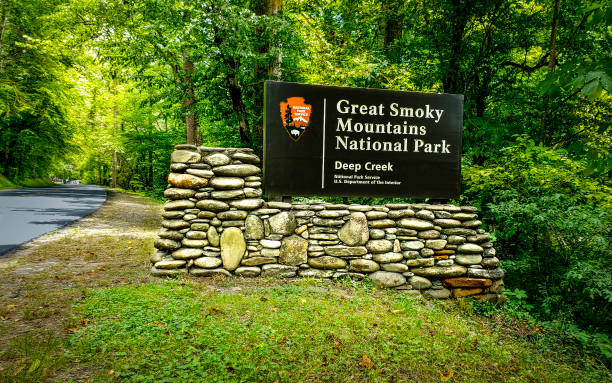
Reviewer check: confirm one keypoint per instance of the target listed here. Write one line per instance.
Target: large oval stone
(253, 227)
(279, 271)
(282, 223)
(472, 259)
(186, 181)
(166, 244)
(204, 173)
(217, 159)
(244, 157)
(485, 273)
(179, 204)
(327, 262)
(226, 183)
(419, 283)
(248, 272)
(175, 224)
(293, 251)
(233, 247)
(185, 156)
(467, 282)
(387, 279)
(187, 253)
(178, 193)
(470, 248)
(363, 266)
(447, 222)
(207, 262)
(232, 215)
(415, 223)
(248, 203)
(258, 261)
(213, 205)
(379, 245)
(227, 194)
(387, 257)
(170, 264)
(241, 170)
(355, 232)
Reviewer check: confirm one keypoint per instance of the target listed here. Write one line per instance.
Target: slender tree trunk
(269, 69)
(115, 126)
(231, 81)
(545, 130)
(6, 12)
(189, 101)
(451, 80)
(150, 183)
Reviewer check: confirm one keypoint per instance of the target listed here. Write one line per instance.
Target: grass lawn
(79, 305)
(6, 183)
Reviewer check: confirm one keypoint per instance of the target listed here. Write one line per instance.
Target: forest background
(102, 91)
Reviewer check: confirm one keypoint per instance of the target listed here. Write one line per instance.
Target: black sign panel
(339, 141)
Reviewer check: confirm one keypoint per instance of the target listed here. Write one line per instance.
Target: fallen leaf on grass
(34, 366)
(111, 372)
(71, 330)
(366, 362)
(447, 375)
(275, 308)
(292, 358)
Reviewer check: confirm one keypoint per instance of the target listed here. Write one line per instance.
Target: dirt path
(40, 281)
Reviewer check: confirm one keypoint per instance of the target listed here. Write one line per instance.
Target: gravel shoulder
(42, 279)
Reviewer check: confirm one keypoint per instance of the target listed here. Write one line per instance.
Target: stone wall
(216, 223)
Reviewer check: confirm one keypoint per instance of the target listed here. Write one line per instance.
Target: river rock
(203, 173)
(425, 214)
(381, 223)
(387, 279)
(419, 283)
(415, 224)
(217, 159)
(460, 293)
(447, 222)
(254, 228)
(208, 262)
(185, 156)
(179, 204)
(170, 264)
(267, 252)
(258, 261)
(166, 244)
(440, 272)
(248, 271)
(490, 263)
(178, 193)
(355, 230)
(194, 242)
(437, 294)
(187, 253)
(436, 244)
(247, 204)
(486, 273)
(227, 182)
(175, 224)
(233, 247)
(241, 170)
(363, 265)
(379, 245)
(470, 248)
(170, 234)
(248, 158)
(186, 181)
(327, 262)
(466, 282)
(345, 251)
(282, 223)
(279, 271)
(209, 272)
(388, 257)
(455, 240)
(293, 251)
(227, 194)
(420, 262)
(400, 213)
(213, 205)
(316, 273)
(232, 215)
(464, 259)
(412, 245)
(394, 267)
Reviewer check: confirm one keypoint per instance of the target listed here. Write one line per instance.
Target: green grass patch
(300, 331)
(6, 183)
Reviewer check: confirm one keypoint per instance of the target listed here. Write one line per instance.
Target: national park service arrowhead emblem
(295, 114)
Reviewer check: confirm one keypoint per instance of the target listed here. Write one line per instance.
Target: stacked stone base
(216, 223)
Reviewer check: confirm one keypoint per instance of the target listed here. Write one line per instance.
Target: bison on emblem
(295, 114)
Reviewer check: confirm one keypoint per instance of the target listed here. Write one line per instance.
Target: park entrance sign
(339, 141)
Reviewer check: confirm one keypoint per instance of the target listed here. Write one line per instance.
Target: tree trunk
(189, 101)
(150, 183)
(6, 12)
(270, 68)
(545, 130)
(231, 81)
(115, 125)
(451, 79)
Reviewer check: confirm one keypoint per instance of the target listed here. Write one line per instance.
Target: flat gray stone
(415, 224)
(241, 170)
(327, 262)
(387, 279)
(248, 271)
(185, 156)
(363, 265)
(346, 251)
(195, 271)
(208, 262)
(212, 205)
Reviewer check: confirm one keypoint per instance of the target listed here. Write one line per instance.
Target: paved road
(29, 213)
